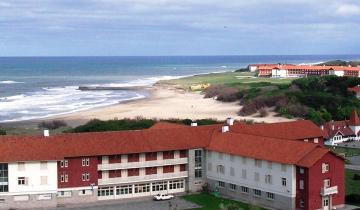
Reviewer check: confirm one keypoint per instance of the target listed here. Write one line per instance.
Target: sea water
(37, 87)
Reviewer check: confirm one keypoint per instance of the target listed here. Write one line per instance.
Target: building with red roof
(279, 165)
(290, 70)
(336, 132)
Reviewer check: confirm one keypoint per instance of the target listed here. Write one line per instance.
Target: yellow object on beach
(199, 87)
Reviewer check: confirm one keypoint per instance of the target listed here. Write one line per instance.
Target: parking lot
(135, 204)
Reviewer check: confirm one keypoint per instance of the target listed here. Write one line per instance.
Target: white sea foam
(8, 82)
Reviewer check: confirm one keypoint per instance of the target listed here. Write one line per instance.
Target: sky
(178, 27)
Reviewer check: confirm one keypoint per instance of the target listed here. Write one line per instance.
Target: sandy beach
(166, 102)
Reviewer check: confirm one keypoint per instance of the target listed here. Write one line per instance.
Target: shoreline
(163, 102)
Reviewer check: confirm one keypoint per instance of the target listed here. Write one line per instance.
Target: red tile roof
(311, 158)
(241, 140)
(354, 118)
(332, 128)
(297, 130)
(167, 125)
(355, 89)
(306, 67)
(264, 148)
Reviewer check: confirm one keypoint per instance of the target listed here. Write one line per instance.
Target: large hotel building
(290, 70)
(277, 166)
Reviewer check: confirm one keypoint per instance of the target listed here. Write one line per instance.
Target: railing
(145, 178)
(142, 164)
(329, 190)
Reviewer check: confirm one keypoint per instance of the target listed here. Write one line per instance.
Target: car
(163, 197)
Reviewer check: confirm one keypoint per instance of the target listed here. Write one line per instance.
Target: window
(21, 181)
(64, 194)
(302, 170)
(151, 170)
(221, 184)
(198, 158)
(270, 195)
(232, 187)
(243, 174)
(151, 156)
(244, 189)
(43, 180)
(168, 155)
(105, 191)
(283, 181)
(232, 158)
(257, 192)
(159, 186)
(182, 167)
(257, 176)
(220, 156)
(66, 178)
(4, 176)
(327, 183)
(124, 190)
(169, 169)
(178, 184)
(268, 179)
(183, 153)
(316, 140)
(325, 167)
(85, 162)
(86, 177)
(198, 173)
(301, 184)
(85, 192)
(283, 167)
(43, 165)
(220, 169)
(142, 188)
(232, 171)
(258, 163)
(62, 179)
(209, 167)
(244, 160)
(133, 172)
(21, 166)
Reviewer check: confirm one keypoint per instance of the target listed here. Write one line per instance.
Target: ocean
(37, 87)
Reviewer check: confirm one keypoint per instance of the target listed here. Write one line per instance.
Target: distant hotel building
(290, 70)
(279, 165)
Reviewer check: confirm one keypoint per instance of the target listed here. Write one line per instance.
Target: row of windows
(25, 180)
(21, 165)
(64, 178)
(243, 189)
(149, 156)
(141, 188)
(258, 163)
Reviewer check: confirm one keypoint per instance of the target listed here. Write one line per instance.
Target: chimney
(322, 127)
(333, 127)
(225, 128)
(193, 124)
(46, 133)
(230, 121)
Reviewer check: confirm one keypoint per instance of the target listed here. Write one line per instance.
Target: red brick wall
(133, 157)
(168, 155)
(183, 153)
(114, 173)
(151, 170)
(301, 194)
(115, 159)
(316, 179)
(151, 156)
(168, 169)
(133, 172)
(75, 171)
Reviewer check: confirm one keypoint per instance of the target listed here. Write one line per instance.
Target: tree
(2, 132)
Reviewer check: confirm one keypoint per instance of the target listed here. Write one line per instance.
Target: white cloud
(348, 9)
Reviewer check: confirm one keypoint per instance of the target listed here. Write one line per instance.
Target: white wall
(33, 172)
(249, 166)
(337, 73)
(279, 73)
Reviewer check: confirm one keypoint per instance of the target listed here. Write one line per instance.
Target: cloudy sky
(179, 27)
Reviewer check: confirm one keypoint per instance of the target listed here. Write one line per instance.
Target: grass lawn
(349, 152)
(227, 78)
(210, 202)
(352, 186)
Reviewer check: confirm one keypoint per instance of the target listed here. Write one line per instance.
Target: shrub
(263, 112)
(356, 177)
(52, 124)
(248, 108)
(353, 198)
(2, 132)
(96, 125)
(222, 93)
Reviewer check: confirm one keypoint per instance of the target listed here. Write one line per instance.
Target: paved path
(133, 204)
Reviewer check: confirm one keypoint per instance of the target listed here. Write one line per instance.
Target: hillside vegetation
(340, 63)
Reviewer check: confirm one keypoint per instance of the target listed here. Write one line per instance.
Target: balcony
(146, 178)
(329, 190)
(142, 164)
